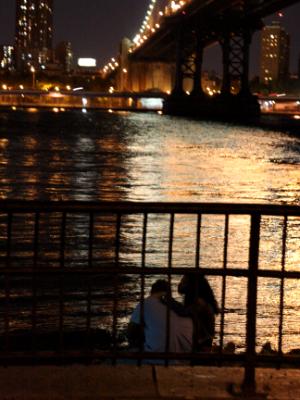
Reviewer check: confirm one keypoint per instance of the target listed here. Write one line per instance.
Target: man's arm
(135, 334)
(175, 306)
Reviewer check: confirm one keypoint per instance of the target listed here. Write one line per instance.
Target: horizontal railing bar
(147, 271)
(147, 207)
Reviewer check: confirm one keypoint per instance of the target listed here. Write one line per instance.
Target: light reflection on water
(146, 157)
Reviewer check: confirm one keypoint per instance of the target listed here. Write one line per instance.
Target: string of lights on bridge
(150, 25)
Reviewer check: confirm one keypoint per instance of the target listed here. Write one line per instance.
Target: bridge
(168, 52)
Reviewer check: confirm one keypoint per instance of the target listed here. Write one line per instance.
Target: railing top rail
(129, 207)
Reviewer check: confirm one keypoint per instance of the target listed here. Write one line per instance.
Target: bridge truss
(178, 31)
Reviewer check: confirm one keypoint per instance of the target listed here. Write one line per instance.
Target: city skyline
(85, 26)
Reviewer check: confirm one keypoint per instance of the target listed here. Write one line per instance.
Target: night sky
(95, 28)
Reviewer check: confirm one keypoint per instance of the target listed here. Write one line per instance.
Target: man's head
(160, 286)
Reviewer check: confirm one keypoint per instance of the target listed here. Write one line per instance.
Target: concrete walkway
(129, 382)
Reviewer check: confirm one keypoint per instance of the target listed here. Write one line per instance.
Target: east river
(144, 157)
(149, 157)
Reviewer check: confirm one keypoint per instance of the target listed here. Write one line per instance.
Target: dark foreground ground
(146, 382)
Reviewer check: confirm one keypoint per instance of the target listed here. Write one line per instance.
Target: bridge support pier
(235, 101)
(189, 59)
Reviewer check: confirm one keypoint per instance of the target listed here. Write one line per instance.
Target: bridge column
(197, 86)
(236, 47)
(245, 89)
(179, 76)
(226, 83)
(236, 100)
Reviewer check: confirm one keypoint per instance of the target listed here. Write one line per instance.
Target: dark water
(144, 157)
(148, 157)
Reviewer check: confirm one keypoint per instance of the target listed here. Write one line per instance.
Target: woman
(200, 305)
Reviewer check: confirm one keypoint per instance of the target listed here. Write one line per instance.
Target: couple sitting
(191, 324)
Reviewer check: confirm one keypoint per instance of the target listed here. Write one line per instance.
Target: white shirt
(155, 326)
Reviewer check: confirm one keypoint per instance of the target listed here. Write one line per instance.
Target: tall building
(64, 55)
(6, 58)
(34, 31)
(275, 53)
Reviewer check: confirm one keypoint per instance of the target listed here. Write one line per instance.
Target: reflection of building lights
(84, 110)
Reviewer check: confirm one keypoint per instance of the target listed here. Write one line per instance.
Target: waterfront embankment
(98, 382)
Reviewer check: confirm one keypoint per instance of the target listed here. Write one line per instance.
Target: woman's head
(193, 286)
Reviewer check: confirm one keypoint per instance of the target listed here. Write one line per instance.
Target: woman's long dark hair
(197, 286)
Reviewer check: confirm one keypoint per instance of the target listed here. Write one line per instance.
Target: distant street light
(32, 70)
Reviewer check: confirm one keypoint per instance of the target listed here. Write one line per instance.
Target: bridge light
(125, 70)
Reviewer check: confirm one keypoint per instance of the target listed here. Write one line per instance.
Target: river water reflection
(148, 157)
(144, 157)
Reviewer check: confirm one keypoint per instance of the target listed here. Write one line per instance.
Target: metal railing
(71, 273)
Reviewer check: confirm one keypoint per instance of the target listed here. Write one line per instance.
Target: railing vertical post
(34, 278)
(89, 284)
(61, 281)
(7, 282)
(143, 266)
(170, 261)
(281, 303)
(223, 301)
(249, 384)
(116, 291)
(198, 233)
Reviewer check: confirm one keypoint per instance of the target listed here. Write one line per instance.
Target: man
(149, 331)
